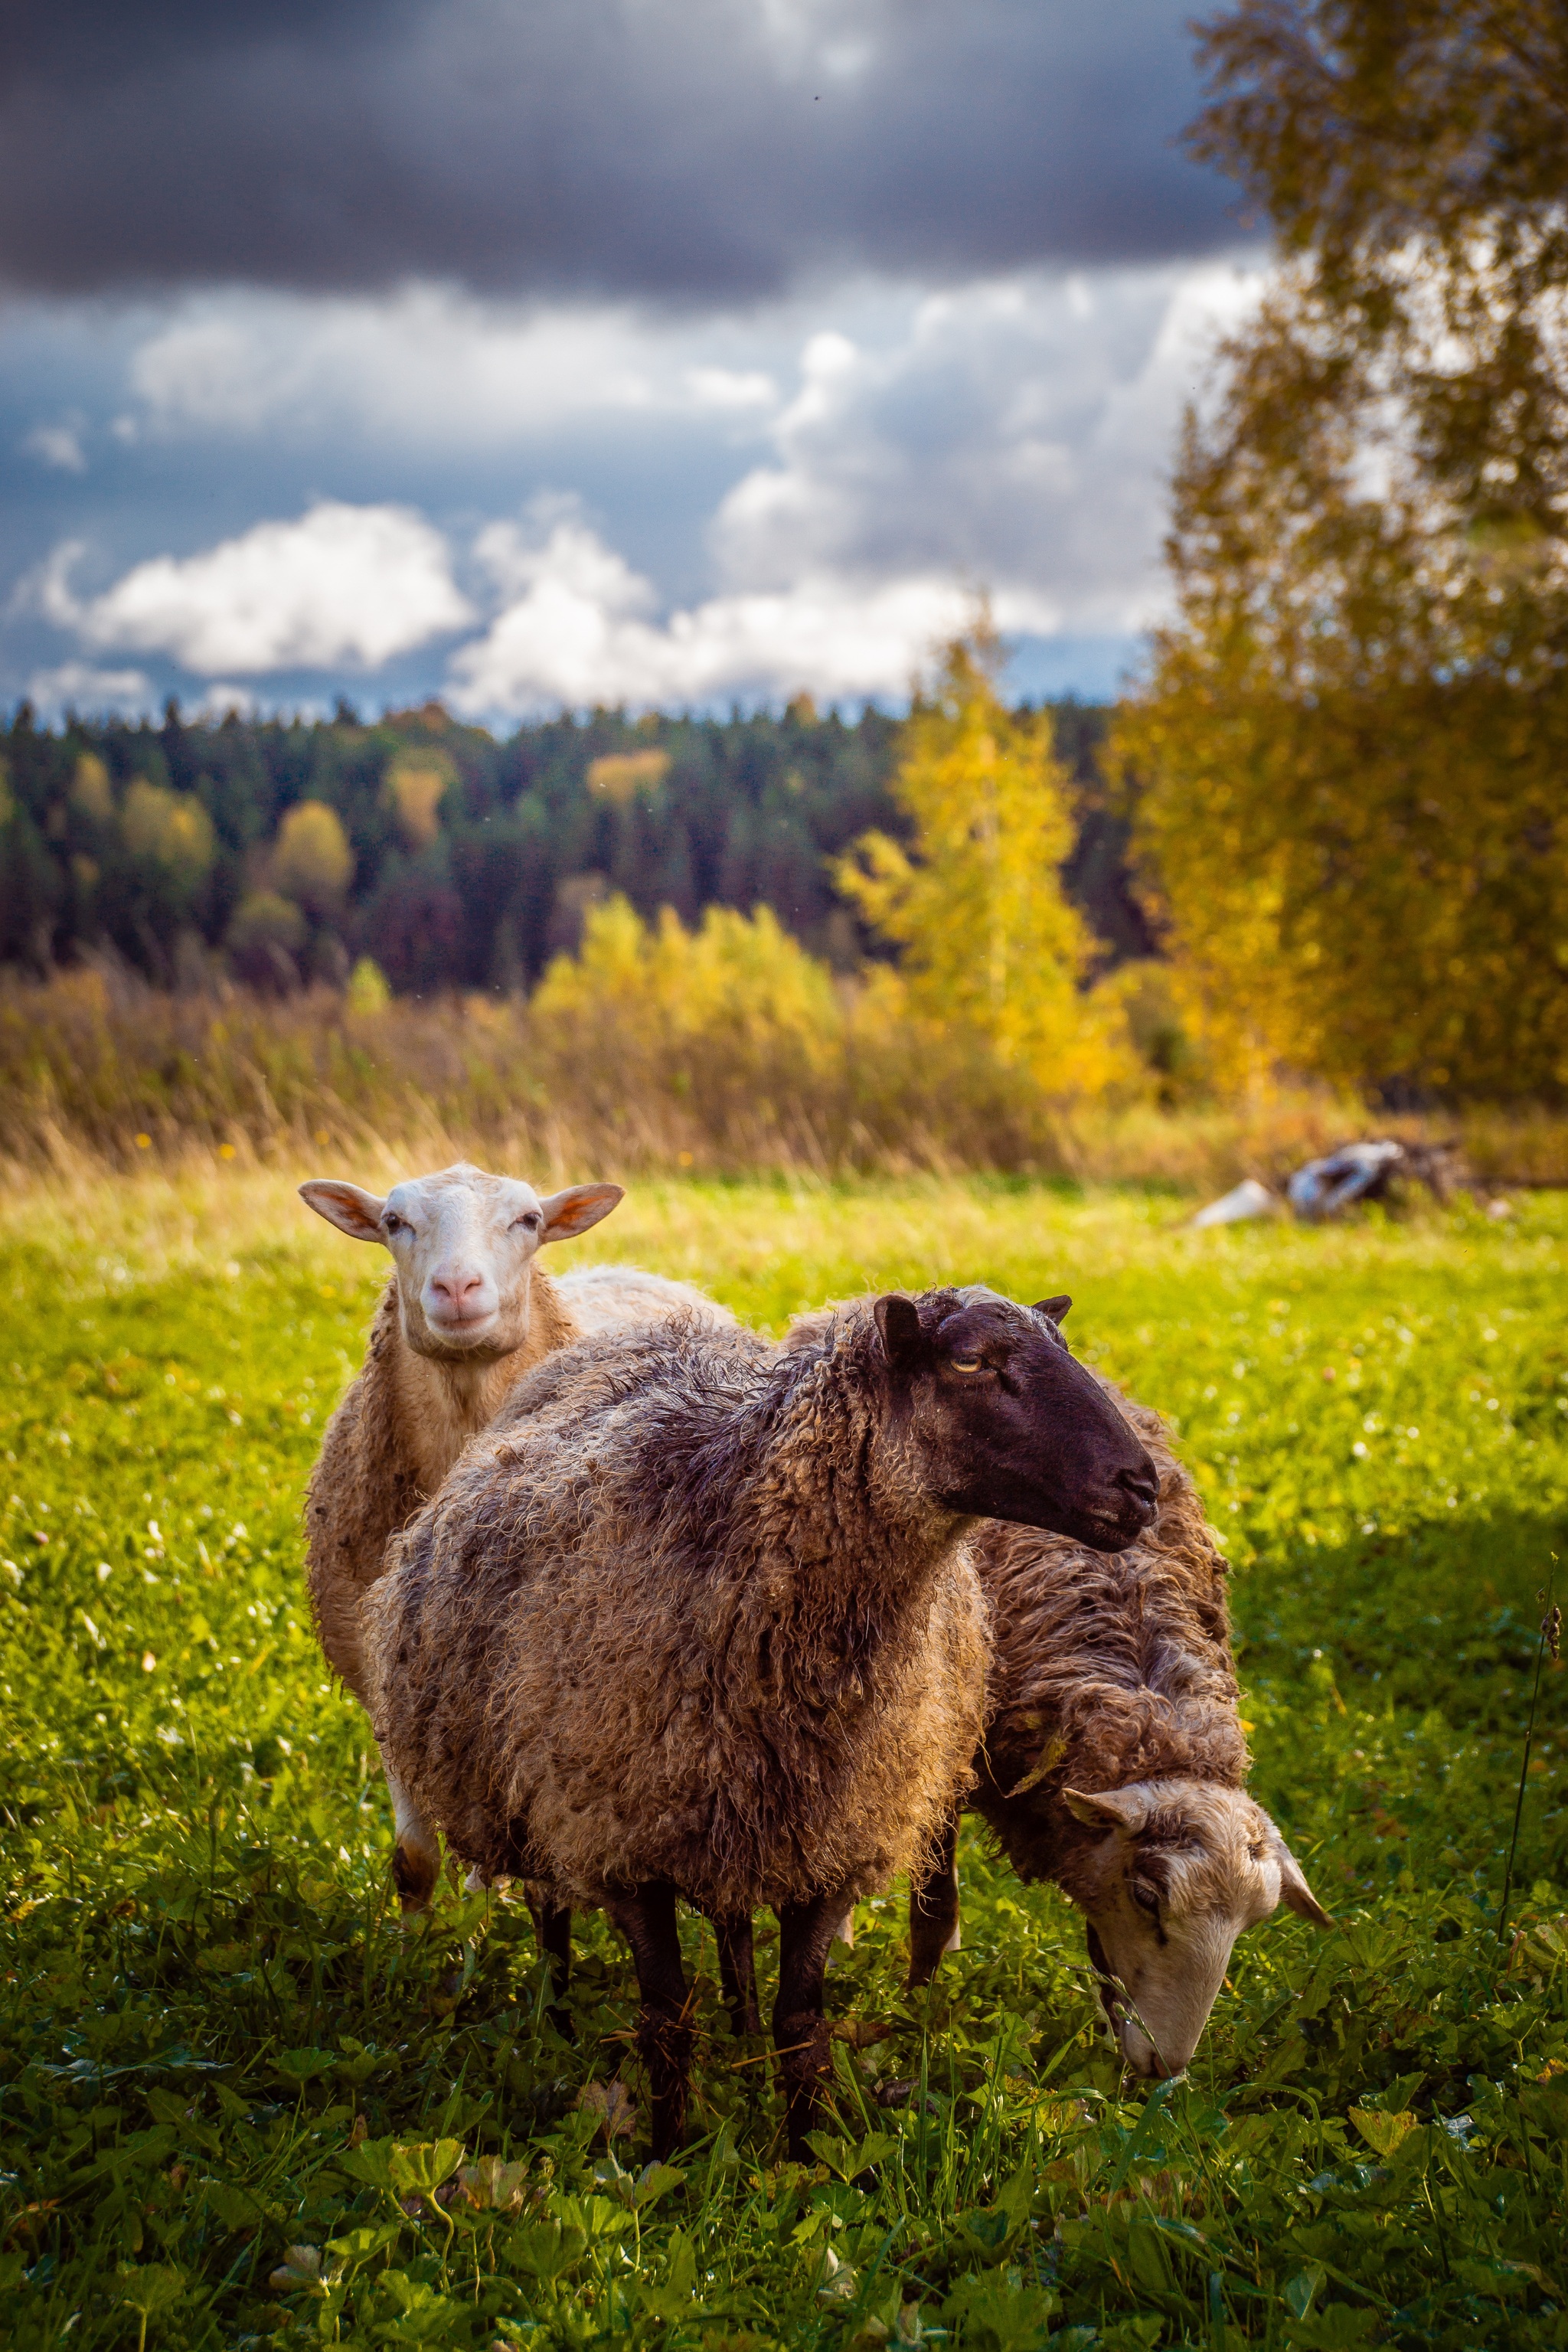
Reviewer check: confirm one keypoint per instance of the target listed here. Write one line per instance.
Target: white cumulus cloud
(806, 494)
(343, 586)
(59, 445)
(578, 625)
(430, 366)
(1014, 432)
(78, 685)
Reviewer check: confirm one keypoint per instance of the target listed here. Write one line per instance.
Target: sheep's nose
(1143, 2058)
(1143, 1488)
(455, 1290)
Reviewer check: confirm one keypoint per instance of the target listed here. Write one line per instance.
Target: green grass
(217, 2044)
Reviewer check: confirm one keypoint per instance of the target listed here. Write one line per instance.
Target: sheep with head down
(1114, 1761)
(696, 1617)
(468, 1310)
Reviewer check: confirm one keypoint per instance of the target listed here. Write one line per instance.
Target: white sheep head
(463, 1243)
(1182, 1869)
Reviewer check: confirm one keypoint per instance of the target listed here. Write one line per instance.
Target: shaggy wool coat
(386, 1450)
(1106, 1668)
(683, 1615)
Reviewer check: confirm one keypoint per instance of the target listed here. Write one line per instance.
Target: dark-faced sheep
(696, 1617)
(1115, 1764)
(467, 1313)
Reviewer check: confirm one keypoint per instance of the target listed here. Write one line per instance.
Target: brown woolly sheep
(1114, 1763)
(467, 1313)
(696, 1617)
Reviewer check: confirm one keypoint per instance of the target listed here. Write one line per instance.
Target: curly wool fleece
(683, 1615)
(1106, 1669)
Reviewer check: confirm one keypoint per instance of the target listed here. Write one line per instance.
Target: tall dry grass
(97, 1068)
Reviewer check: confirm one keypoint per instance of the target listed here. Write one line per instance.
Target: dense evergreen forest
(281, 851)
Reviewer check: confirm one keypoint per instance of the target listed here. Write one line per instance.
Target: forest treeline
(1325, 839)
(281, 853)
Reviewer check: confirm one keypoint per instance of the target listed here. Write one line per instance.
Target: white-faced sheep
(467, 1313)
(1114, 1762)
(696, 1619)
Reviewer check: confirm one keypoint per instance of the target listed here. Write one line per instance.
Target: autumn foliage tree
(311, 860)
(1355, 736)
(975, 903)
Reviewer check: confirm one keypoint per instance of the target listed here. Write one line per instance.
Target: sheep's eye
(967, 1364)
(391, 1222)
(530, 1218)
(1145, 1898)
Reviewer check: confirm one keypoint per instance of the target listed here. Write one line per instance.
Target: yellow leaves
(170, 830)
(90, 792)
(620, 776)
(1346, 762)
(740, 975)
(1338, 926)
(414, 788)
(878, 878)
(367, 990)
(1383, 2133)
(311, 860)
(977, 905)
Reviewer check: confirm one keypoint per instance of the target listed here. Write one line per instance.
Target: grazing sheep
(467, 1313)
(696, 1617)
(1114, 1763)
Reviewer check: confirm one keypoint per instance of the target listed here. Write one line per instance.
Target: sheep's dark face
(1003, 1424)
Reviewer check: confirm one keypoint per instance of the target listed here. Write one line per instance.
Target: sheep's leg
(646, 1918)
(416, 1856)
(800, 2030)
(552, 1927)
(933, 1911)
(738, 1970)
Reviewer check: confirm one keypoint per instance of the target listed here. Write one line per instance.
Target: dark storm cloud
(667, 150)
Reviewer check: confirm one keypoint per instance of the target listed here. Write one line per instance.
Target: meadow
(240, 2105)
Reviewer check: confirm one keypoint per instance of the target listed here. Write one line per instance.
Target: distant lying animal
(467, 1313)
(1114, 1763)
(696, 1617)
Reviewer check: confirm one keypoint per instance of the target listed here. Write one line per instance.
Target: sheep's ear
(1053, 1309)
(1123, 1809)
(1294, 1889)
(898, 1321)
(573, 1211)
(354, 1211)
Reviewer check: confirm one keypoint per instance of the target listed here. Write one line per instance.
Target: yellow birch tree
(976, 903)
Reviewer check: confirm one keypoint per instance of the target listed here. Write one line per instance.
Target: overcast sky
(534, 352)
